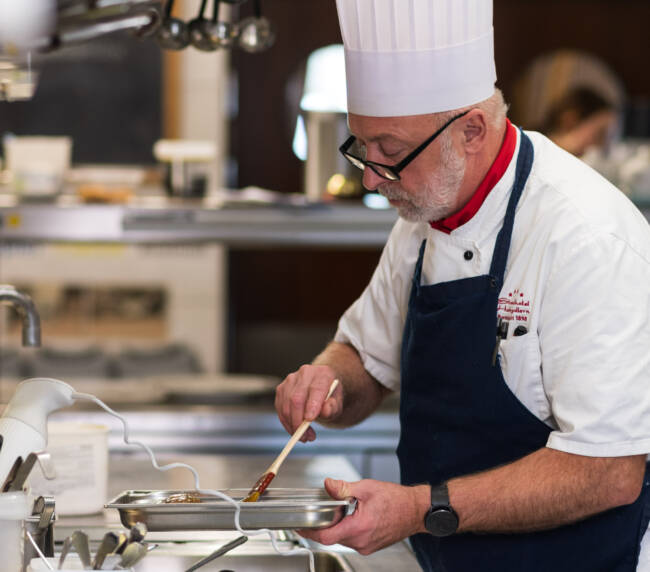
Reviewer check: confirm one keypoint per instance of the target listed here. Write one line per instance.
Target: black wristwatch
(441, 519)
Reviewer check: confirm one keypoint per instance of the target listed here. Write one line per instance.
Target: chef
(510, 307)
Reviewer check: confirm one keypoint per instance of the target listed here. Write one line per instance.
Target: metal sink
(324, 561)
(257, 555)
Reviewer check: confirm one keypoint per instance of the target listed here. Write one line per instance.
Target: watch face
(442, 522)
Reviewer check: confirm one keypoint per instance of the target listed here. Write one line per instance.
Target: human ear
(474, 131)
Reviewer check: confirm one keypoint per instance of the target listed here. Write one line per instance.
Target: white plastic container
(80, 456)
(72, 562)
(14, 508)
(38, 164)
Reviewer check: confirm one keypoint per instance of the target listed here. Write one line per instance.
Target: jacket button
(468, 255)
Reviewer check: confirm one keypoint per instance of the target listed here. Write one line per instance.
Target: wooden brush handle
(296, 436)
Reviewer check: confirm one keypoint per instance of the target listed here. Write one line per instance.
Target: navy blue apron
(458, 416)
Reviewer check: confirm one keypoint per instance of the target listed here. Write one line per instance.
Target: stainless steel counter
(177, 549)
(248, 429)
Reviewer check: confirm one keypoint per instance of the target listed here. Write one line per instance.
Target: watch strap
(440, 496)
(441, 519)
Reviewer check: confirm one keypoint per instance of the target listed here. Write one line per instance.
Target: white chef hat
(411, 57)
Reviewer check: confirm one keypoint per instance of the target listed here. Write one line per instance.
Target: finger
(316, 398)
(297, 401)
(309, 435)
(332, 407)
(345, 532)
(282, 406)
(315, 535)
(339, 489)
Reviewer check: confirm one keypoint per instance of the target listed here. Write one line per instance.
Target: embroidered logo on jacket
(514, 307)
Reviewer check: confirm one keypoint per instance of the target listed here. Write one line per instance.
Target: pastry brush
(263, 482)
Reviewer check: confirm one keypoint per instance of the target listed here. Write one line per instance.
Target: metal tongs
(114, 553)
(219, 552)
(20, 470)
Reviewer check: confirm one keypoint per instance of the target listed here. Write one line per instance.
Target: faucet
(25, 306)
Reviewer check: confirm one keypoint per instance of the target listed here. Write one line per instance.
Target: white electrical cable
(197, 486)
(237, 505)
(38, 550)
(89, 397)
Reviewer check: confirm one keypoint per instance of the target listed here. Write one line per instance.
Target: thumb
(337, 489)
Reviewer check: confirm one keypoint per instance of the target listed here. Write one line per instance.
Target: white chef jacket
(577, 278)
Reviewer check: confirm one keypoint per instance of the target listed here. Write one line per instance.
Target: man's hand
(302, 396)
(385, 514)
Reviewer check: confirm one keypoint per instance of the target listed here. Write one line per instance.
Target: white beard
(436, 198)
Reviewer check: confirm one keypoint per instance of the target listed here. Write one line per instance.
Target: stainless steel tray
(277, 509)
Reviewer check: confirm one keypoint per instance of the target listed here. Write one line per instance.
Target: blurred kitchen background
(186, 228)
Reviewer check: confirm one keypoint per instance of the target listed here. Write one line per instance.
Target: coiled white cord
(128, 441)
(197, 486)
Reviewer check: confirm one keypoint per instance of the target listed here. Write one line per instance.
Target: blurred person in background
(580, 120)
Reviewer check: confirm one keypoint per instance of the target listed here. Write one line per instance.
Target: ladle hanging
(222, 34)
(173, 33)
(197, 26)
(256, 33)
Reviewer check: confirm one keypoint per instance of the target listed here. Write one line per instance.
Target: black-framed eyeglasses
(392, 172)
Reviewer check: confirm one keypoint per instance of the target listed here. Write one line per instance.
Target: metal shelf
(162, 221)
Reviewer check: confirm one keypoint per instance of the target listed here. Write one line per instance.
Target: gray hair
(494, 107)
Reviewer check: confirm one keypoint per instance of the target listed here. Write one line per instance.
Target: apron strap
(502, 247)
(417, 274)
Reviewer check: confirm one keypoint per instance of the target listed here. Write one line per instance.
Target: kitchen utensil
(137, 532)
(40, 528)
(173, 33)
(263, 482)
(132, 554)
(79, 541)
(122, 541)
(47, 467)
(22, 473)
(256, 33)
(38, 550)
(219, 552)
(219, 34)
(67, 544)
(278, 509)
(11, 475)
(196, 29)
(44, 509)
(107, 545)
(111, 562)
(152, 27)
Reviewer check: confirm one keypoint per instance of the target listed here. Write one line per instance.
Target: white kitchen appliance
(23, 425)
